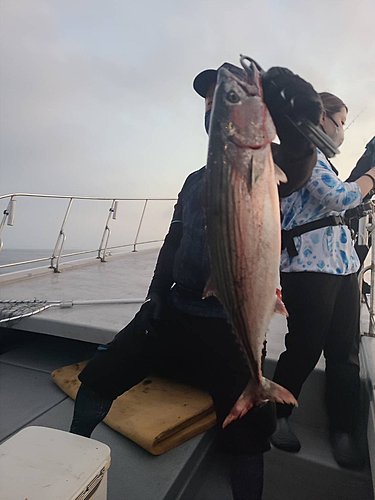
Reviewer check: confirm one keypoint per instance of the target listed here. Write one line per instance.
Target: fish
(242, 211)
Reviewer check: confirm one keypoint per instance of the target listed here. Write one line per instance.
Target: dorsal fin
(280, 175)
(209, 289)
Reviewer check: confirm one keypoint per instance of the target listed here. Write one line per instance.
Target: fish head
(239, 114)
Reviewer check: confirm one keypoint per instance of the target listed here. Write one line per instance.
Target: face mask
(207, 118)
(338, 138)
(338, 135)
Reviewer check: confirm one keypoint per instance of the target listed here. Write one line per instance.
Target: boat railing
(366, 236)
(366, 233)
(57, 254)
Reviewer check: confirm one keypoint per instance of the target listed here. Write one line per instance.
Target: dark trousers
(323, 316)
(197, 350)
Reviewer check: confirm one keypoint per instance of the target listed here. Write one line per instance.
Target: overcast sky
(97, 99)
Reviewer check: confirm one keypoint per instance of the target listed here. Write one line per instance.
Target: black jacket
(183, 259)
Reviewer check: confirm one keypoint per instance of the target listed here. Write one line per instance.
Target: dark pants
(323, 316)
(197, 350)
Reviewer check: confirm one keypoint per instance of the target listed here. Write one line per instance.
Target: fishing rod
(308, 129)
(354, 119)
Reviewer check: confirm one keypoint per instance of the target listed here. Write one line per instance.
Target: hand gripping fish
(243, 222)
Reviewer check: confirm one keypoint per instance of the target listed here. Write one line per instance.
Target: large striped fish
(243, 222)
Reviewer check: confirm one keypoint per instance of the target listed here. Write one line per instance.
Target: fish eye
(233, 97)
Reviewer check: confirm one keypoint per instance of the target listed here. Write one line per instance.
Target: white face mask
(338, 135)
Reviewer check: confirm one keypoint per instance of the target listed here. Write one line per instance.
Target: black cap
(203, 81)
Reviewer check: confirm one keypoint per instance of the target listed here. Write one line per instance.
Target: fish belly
(255, 254)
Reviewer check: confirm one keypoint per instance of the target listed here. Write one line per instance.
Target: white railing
(366, 233)
(9, 215)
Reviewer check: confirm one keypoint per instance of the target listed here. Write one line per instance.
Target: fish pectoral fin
(276, 392)
(243, 404)
(280, 175)
(209, 289)
(280, 307)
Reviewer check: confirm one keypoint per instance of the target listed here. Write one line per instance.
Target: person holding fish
(179, 334)
(319, 267)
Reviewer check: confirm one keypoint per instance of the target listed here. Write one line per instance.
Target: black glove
(287, 94)
(150, 312)
(365, 163)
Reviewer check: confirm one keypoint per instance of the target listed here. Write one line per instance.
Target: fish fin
(280, 306)
(243, 404)
(276, 392)
(251, 397)
(209, 290)
(280, 175)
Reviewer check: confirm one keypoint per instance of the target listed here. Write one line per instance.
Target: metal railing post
(369, 228)
(107, 232)
(371, 311)
(61, 237)
(363, 233)
(139, 227)
(54, 259)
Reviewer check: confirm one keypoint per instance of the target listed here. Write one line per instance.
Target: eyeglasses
(334, 121)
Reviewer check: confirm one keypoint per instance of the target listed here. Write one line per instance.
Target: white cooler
(40, 463)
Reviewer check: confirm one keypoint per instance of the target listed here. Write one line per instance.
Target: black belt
(287, 237)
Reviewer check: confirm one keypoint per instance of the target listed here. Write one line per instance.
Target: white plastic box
(40, 463)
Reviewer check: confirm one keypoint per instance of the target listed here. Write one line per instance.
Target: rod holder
(11, 212)
(114, 214)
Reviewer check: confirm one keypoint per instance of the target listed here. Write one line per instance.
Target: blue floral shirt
(328, 249)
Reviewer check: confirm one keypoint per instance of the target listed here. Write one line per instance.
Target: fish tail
(253, 395)
(276, 392)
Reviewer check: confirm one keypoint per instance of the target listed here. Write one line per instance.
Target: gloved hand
(150, 312)
(300, 100)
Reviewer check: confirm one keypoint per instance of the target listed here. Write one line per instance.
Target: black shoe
(346, 451)
(284, 438)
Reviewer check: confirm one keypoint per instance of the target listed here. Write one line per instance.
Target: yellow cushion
(158, 414)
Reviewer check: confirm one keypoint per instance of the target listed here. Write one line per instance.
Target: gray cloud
(96, 97)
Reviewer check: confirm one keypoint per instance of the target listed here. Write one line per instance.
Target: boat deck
(126, 276)
(122, 277)
(192, 470)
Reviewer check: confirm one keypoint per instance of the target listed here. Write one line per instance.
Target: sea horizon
(12, 255)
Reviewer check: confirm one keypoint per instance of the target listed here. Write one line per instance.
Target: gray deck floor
(33, 399)
(30, 397)
(124, 277)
